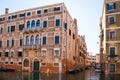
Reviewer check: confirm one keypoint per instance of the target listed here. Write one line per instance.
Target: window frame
(59, 22)
(32, 40)
(39, 11)
(45, 11)
(28, 25)
(56, 63)
(110, 67)
(20, 55)
(110, 21)
(45, 24)
(37, 39)
(38, 23)
(20, 42)
(113, 5)
(44, 43)
(57, 41)
(112, 36)
(27, 14)
(33, 24)
(110, 50)
(57, 8)
(1, 44)
(43, 65)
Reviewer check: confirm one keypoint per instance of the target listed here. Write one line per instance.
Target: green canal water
(86, 75)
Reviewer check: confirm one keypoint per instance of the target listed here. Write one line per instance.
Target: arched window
(27, 40)
(33, 24)
(37, 39)
(28, 25)
(32, 39)
(38, 23)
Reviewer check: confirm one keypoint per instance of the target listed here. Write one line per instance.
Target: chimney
(6, 10)
(75, 22)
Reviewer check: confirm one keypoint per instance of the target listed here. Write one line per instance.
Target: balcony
(32, 30)
(35, 46)
(113, 57)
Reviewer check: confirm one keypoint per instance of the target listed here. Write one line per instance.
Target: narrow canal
(86, 75)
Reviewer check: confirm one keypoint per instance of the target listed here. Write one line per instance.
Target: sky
(87, 13)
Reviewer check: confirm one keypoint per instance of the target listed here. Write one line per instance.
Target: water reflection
(87, 75)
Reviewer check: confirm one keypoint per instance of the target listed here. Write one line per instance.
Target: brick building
(39, 39)
(82, 52)
(110, 37)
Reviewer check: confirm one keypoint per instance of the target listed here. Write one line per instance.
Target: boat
(7, 69)
(97, 69)
(71, 71)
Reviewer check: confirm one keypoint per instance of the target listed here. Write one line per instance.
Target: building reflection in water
(87, 75)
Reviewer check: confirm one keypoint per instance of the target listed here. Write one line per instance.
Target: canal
(86, 75)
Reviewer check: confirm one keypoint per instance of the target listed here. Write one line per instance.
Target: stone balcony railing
(31, 30)
(34, 46)
(113, 58)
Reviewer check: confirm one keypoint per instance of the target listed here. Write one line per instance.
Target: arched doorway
(26, 63)
(36, 65)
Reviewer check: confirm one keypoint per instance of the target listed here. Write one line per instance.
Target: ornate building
(39, 39)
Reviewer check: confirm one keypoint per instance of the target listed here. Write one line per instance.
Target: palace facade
(39, 39)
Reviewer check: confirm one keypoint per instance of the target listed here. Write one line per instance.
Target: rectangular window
(12, 28)
(44, 40)
(39, 12)
(73, 36)
(43, 64)
(112, 50)
(9, 29)
(112, 68)
(20, 63)
(22, 15)
(11, 62)
(0, 44)
(46, 11)
(6, 62)
(14, 16)
(111, 20)
(69, 32)
(65, 26)
(44, 53)
(7, 43)
(12, 54)
(56, 39)
(0, 54)
(9, 17)
(19, 54)
(44, 24)
(64, 41)
(111, 6)
(57, 53)
(21, 42)
(1, 30)
(2, 19)
(57, 22)
(21, 27)
(28, 14)
(6, 54)
(56, 8)
(112, 35)
(12, 42)
(56, 64)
